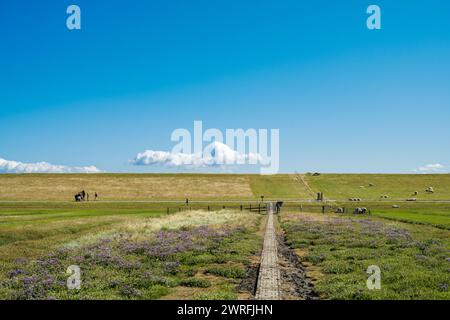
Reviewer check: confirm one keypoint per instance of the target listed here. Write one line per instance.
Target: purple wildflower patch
(127, 256)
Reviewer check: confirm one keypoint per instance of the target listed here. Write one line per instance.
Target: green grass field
(116, 240)
(216, 187)
(282, 186)
(438, 215)
(414, 260)
(130, 251)
(395, 186)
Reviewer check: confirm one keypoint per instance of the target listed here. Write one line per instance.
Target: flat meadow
(137, 254)
(433, 214)
(140, 240)
(337, 250)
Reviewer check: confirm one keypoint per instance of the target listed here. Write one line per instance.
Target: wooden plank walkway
(268, 286)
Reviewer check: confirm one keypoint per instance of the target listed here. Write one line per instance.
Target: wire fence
(263, 208)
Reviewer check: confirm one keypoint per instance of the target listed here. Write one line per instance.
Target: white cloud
(216, 154)
(8, 166)
(433, 167)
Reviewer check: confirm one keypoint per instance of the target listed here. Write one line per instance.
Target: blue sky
(346, 99)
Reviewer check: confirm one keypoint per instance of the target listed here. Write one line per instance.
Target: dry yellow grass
(142, 228)
(51, 187)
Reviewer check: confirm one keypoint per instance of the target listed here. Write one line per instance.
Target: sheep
(360, 211)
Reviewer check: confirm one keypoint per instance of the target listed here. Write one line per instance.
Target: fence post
(208, 208)
(259, 208)
(323, 209)
(167, 210)
(241, 207)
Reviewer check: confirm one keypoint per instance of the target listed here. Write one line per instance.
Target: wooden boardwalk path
(268, 287)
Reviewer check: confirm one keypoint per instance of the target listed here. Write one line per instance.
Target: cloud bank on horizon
(432, 167)
(215, 155)
(8, 166)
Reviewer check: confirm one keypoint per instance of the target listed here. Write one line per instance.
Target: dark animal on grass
(80, 196)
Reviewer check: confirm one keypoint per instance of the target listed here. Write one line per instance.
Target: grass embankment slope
(135, 187)
(125, 187)
(395, 186)
(398, 187)
(216, 187)
(281, 186)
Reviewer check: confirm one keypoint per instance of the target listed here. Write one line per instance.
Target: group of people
(84, 196)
